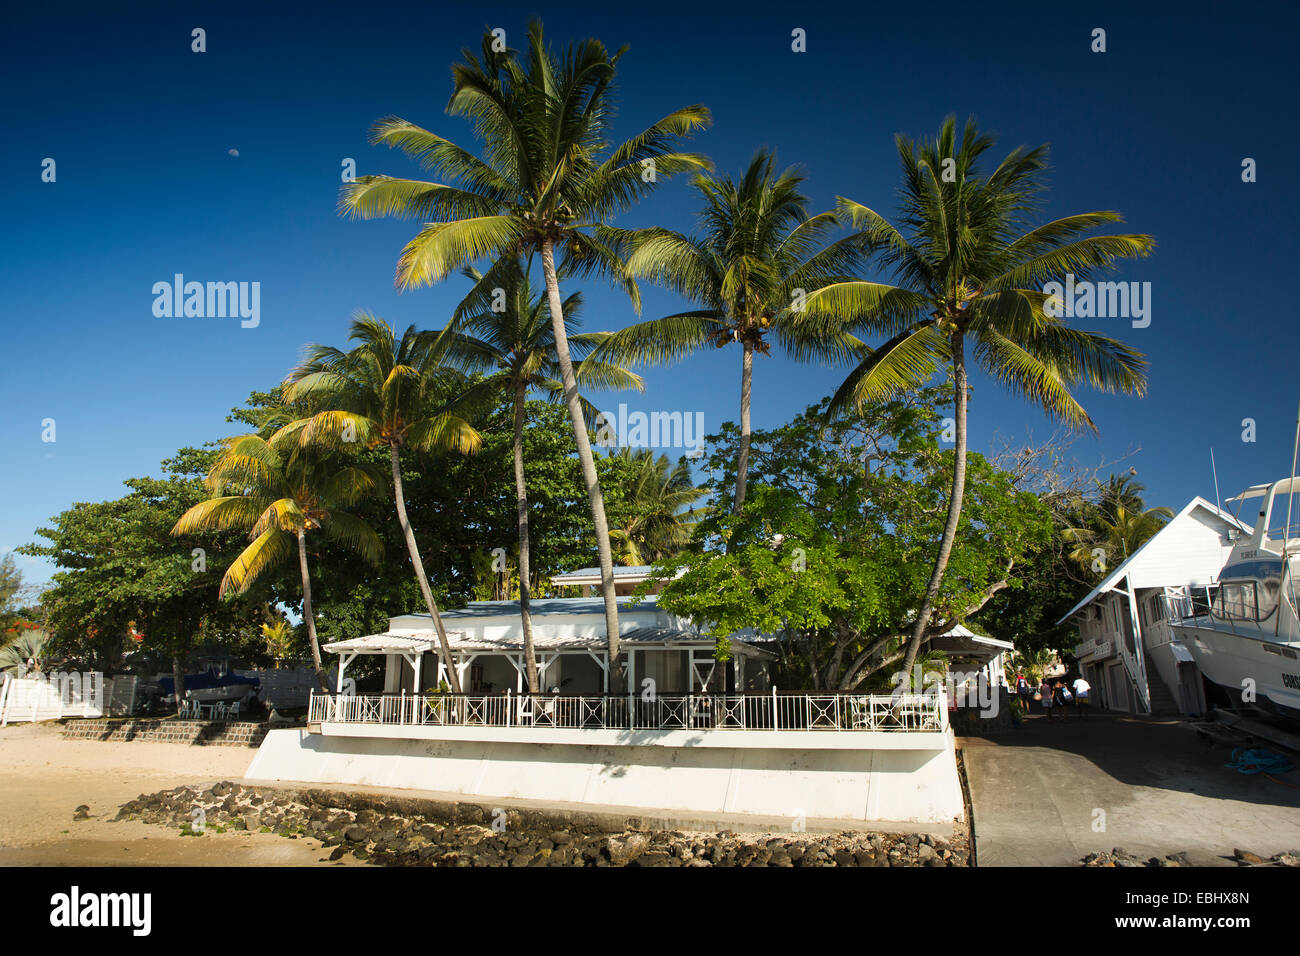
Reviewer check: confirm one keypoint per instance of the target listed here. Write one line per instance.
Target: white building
(487, 648)
(680, 732)
(1126, 649)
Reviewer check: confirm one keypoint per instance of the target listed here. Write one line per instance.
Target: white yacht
(1246, 637)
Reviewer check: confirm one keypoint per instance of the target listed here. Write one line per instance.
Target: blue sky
(141, 127)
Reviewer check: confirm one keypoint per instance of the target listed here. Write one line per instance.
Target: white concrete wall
(858, 785)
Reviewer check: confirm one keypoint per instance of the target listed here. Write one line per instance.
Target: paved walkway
(1036, 793)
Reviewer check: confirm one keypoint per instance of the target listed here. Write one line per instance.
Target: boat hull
(209, 695)
(1237, 663)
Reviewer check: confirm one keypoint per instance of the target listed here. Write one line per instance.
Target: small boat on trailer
(1246, 638)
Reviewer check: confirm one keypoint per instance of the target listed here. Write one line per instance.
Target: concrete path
(1050, 793)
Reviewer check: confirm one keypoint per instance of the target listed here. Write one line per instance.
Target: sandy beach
(45, 778)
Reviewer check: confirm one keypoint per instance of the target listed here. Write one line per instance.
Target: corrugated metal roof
(628, 571)
(386, 643)
(580, 606)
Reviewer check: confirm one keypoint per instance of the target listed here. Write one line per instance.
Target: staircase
(1163, 702)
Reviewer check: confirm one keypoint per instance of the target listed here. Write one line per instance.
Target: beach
(45, 779)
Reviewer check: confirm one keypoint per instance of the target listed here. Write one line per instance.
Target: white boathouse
(1127, 650)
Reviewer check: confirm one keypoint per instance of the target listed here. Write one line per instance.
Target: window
(1156, 608)
(1237, 601)
(1284, 505)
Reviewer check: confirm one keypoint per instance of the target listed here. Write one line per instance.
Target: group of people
(1056, 695)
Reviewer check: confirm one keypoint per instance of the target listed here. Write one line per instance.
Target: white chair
(232, 711)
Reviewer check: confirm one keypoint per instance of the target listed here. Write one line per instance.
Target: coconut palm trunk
(954, 502)
(444, 649)
(584, 456)
(742, 460)
(521, 496)
(178, 682)
(307, 616)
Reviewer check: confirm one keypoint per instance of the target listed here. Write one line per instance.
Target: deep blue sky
(140, 128)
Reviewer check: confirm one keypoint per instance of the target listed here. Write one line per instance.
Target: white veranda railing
(816, 712)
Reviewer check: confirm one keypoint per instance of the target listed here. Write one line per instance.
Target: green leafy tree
(970, 268)
(117, 562)
(831, 550)
(11, 586)
(547, 178)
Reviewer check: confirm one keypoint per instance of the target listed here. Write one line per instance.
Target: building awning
(385, 644)
(963, 642)
(426, 642)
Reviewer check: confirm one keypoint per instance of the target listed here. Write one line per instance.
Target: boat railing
(756, 712)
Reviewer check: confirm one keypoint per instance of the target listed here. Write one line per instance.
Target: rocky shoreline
(395, 831)
(1119, 857)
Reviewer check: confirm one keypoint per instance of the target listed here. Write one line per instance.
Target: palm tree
(1118, 524)
(27, 645)
(385, 392)
(547, 178)
(655, 524)
(516, 343)
(279, 639)
(969, 270)
(281, 495)
(758, 253)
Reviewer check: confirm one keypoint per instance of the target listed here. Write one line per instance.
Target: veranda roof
(385, 644)
(427, 642)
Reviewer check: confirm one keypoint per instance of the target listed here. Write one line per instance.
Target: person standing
(1045, 694)
(1022, 692)
(1081, 690)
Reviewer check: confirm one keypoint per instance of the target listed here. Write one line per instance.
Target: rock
(356, 834)
(1245, 856)
(926, 853)
(621, 850)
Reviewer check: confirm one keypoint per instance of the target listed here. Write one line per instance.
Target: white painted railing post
(774, 720)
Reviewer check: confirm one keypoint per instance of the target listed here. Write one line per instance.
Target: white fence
(757, 712)
(61, 695)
